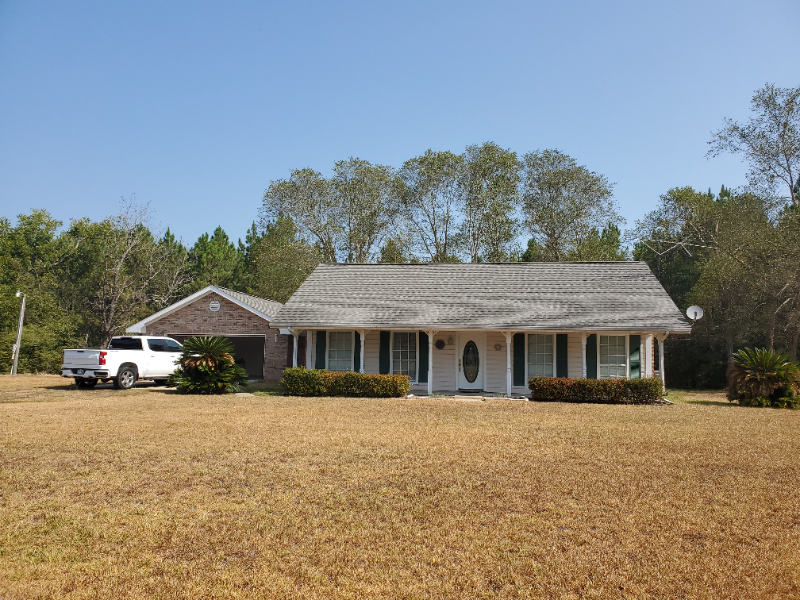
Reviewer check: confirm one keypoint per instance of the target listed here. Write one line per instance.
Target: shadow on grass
(264, 388)
(708, 403)
(699, 397)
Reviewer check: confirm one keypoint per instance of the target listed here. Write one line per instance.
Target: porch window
(340, 350)
(613, 357)
(540, 355)
(404, 354)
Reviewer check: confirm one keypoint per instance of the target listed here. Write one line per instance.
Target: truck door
(174, 353)
(159, 362)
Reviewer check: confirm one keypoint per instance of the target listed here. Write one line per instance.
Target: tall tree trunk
(793, 343)
(771, 339)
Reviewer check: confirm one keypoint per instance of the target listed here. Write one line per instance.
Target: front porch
(487, 361)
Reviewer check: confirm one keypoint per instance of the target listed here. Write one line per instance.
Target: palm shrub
(207, 367)
(761, 377)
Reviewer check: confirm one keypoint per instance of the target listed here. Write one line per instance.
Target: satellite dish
(694, 313)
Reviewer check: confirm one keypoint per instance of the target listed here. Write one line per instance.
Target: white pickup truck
(126, 359)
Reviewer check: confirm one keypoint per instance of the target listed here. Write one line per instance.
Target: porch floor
(462, 395)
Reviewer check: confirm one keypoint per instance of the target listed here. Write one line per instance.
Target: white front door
(471, 359)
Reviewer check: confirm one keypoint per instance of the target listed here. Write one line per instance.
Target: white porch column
(583, 344)
(309, 339)
(363, 334)
(294, 347)
(509, 335)
(430, 361)
(661, 372)
(647, 355)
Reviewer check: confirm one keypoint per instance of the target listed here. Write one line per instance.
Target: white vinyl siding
(340, 350)
(540, 355)
(404, 353)
(613, 357)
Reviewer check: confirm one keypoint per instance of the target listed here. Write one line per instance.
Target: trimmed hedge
(300, 381)
(596, 391)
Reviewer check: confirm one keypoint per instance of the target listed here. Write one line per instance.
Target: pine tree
(214, 261)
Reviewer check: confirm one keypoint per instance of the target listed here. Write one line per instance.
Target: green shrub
(596, 391)
(207, 367)
(787, 402)
(300, 381)
(643, 391)
(761, 377)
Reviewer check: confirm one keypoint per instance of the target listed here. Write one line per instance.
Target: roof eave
(677, 329)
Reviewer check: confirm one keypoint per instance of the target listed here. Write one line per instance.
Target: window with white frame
(613, 357)
(404, 353)
(540, 355)
(340, 350)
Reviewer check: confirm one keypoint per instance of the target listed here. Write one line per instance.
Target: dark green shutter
(635, 343)
(385, 355)
(519, 359)
(422, 376)
(319, 362)
(591, 357)
(357, 353)
(561, 355)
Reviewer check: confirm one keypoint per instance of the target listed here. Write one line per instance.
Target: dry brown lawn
(149, 494)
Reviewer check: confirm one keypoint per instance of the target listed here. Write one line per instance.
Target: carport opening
(248, 351)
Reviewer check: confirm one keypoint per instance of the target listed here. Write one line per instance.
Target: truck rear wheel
(126, 378)
(85, 384)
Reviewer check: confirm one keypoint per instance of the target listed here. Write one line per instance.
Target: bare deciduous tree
(769, 141)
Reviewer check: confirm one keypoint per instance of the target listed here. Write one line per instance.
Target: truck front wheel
(85, 384)
(125, 378)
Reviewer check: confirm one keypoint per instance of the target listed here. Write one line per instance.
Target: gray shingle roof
(589, 295)
(262, 305)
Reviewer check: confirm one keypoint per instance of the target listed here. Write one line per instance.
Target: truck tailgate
(89, 357)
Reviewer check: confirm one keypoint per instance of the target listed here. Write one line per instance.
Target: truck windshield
(125, 344)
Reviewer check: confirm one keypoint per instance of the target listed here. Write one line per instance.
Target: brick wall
(196, 318)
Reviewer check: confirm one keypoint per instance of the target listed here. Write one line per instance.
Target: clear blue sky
(196, 106)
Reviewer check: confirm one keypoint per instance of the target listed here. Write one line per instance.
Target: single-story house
(245, 320)
(483, 326)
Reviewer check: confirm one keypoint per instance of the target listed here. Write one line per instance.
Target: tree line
(446, 207)
(734, 253)
(89, 281)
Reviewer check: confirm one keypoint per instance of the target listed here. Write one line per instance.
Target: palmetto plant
(761, 373)
(210, 351)
(207, 367)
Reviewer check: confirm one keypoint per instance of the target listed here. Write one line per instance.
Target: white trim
(195, 334)
(141, 326)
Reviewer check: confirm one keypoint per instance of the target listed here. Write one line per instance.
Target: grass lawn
(150, 494)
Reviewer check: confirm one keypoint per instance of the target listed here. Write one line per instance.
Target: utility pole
(19, 334)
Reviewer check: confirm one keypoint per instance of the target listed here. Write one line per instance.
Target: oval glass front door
(471, 361)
